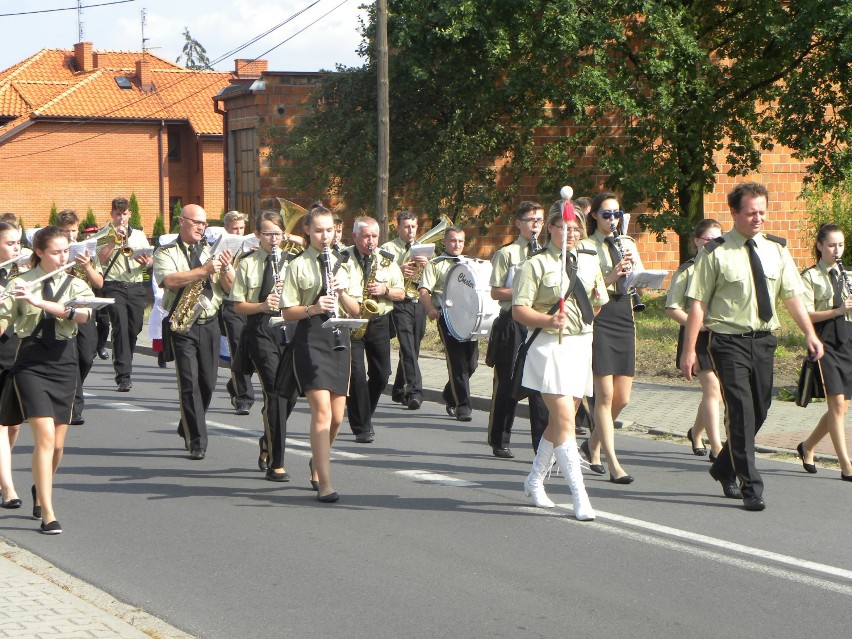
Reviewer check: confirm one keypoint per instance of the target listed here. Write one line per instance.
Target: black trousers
(102, 324)
(87, 343)
(125, 317)
(507, 336)
(409, 323)
(745, 369)
(232, 326)
(367, 383)
(196, 365)
(266, 347)
(462, 359)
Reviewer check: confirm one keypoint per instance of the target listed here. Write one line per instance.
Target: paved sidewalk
(37, 600)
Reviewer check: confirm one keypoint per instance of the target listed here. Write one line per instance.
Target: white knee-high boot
(569, 463)
(534, 483)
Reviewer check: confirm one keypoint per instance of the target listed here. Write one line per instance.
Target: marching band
(314, 319)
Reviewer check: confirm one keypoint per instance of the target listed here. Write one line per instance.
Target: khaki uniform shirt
(434, 277)
(537, 285)
(25, 316)
(505, 259)
(722, 279)
(170, 259)
(126, 269)
(597, 243)
(676, 297)
(387, 273)
(249, 277)
(303, 280)
(819, 290)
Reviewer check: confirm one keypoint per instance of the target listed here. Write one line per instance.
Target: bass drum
(468, 308)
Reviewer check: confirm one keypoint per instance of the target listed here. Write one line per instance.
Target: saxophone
(189, 307)
(369, 306)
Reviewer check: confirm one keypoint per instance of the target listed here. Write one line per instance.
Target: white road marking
(435, 478)
(293, 443)
(123, 406)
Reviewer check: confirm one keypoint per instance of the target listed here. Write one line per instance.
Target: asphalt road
(432, 536)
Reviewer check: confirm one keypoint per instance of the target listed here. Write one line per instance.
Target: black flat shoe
(624, 479)
(271, 475)
(754, 503)
(809, 468)
(261, 459)
(329, 498)
(597, 469)
(699, 451)
(52, 528)
(36, 509)
(729, 487)
(845, 477)
(503, 453)
(314, 482)
(17, 503)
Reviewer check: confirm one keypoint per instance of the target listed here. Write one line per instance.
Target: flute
(9, 293)
(21, 260)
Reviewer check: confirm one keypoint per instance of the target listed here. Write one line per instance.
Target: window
(174, 146)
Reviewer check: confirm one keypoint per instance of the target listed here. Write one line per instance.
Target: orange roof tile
(46, 85)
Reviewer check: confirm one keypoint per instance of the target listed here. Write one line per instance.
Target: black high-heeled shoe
(598, 469)
(262, 462)
(809, 468)
(314, 482)
(699, 451)
(36, 509)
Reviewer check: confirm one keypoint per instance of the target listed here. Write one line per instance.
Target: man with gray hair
(381, 286)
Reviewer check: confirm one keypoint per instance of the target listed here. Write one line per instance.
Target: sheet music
(147, 251)
(89, 302)
(425, 250)
(230, 242)
(80, 248)
(645, 279)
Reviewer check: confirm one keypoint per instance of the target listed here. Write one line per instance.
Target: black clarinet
(338, 340)
(638, 304)
(847, 285)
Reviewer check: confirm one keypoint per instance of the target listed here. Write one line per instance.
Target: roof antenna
(144, 39)
(80, 20)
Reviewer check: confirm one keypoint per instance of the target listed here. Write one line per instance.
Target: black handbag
(810, 382)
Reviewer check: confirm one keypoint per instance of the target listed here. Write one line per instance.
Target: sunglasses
(606, 215)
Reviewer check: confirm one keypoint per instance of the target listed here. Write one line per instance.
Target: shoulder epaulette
(685, 265)
(775, 238)
(713, 244)
(507, 244)
(588, 252)
(387, 254)
(808, 268)
(169, 245)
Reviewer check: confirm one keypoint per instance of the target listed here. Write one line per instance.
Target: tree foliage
(642, 97)
(51, 220)
(133, 206)
(159, 228)
(194, 55)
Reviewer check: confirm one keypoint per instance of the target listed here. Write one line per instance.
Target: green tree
(159, 229)
(51, 221)
(89, 220)
(133, 206)
(658, 90)
(194, 54)
(175, 215)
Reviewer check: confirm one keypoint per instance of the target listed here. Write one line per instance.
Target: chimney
(143, 75)
(250, 68)
(83, 56)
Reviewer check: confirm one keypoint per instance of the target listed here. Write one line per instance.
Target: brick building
(277, 99)
(79, 127)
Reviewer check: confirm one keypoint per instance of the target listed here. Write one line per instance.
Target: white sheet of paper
(424, 250)
(230, 242)
(89, 302)
(646, 279)
(147, 251)
(79, 248)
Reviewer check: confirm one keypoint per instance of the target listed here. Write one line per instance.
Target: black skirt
(8, 348)
(836, 363)
(614, 345)
(315, 362)
(701, 351)
(44, 382)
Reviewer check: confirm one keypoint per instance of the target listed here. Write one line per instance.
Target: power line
(186, 97)
(88, 6)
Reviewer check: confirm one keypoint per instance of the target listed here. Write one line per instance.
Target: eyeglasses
(571, 229)
(617, 214)
(271, 234)
(706, 239)
(200, 224)
(533, 220)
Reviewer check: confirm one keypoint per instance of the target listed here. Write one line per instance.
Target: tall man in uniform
(232, 325)
(408, 316)
(177, 267)
(384, 287)
(737, 280)
(507, 335)
(123, 280)
(462, 357)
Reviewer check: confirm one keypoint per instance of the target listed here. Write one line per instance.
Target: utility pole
(383, 168)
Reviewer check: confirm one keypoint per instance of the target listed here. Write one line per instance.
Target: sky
(218, 25)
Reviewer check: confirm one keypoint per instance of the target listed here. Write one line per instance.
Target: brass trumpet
(109, 235)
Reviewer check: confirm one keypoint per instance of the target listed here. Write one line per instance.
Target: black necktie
(579, 292)
(837, 285)
(194, 255)
(267, 282)
(48, 327)
(615, 256)
(764, 304)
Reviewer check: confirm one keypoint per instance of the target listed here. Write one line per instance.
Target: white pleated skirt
(560, 369)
